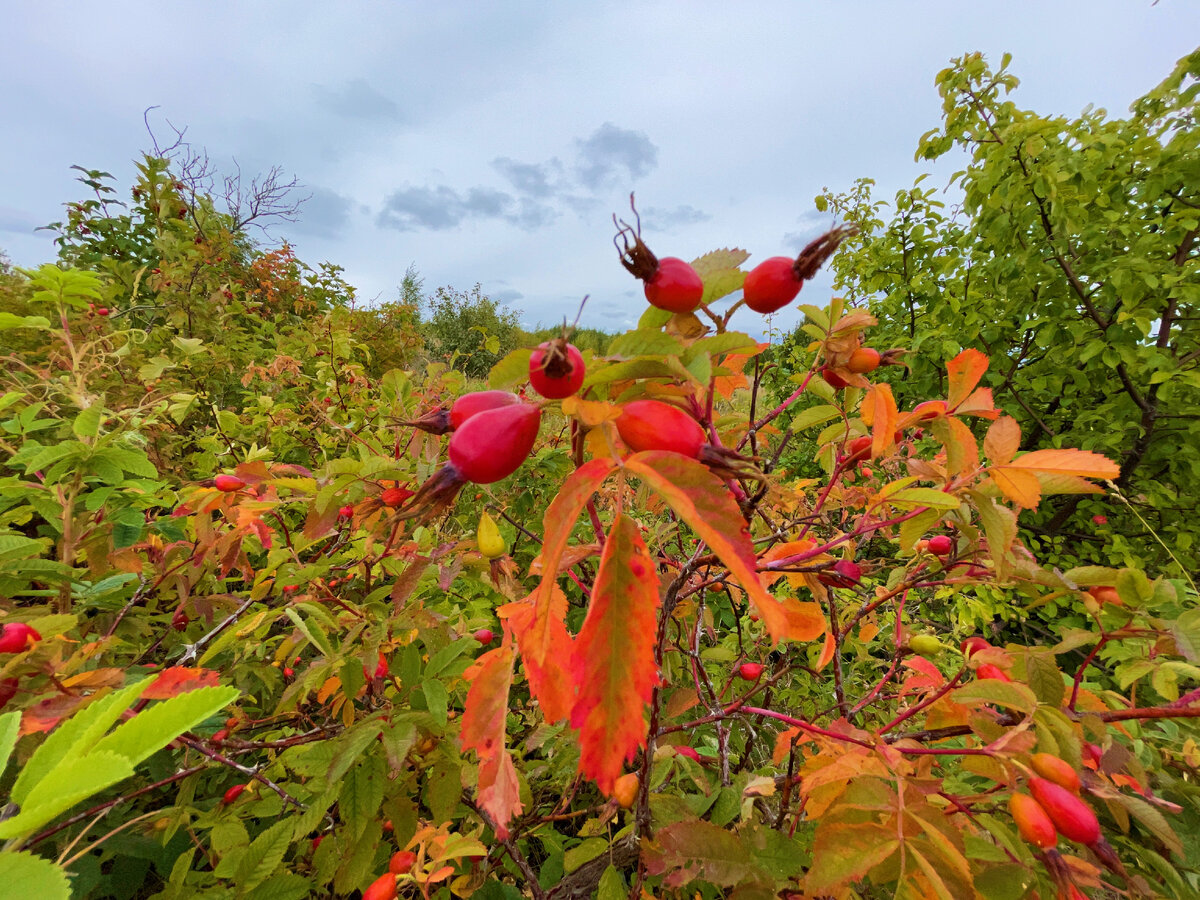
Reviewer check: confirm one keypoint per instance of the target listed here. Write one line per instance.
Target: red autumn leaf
(613, 663)
(43, 716)
(483, 731)
(964, 370)
(179, 680)
(701, 499)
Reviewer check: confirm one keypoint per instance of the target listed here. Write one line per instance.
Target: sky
(491, 143)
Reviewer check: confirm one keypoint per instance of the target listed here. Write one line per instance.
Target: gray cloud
(443, 208)
(533, 179)
(357, 100)
(541, 191)
(18, 221)
(659, 219)
(609, 150)
(324, 214)
(812, 225)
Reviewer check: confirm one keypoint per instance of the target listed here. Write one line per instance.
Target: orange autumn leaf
(541, 633)
(483, 729)
(1003, 440)
(701, 499)
(964, 372)
(1018, 485)
(179, 680)
(1080, 463)
(827, 652)
(879, 412)
(613, 663)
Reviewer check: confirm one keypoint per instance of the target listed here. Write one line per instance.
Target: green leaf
(1044, 678)
(36, 876)
(1186, 630)
(437, 700)
(9, 320)
(644, 342)
(87, 423)
(264, 855)
(612, 885)
(155, 727)
(10, 730)
(63, 788)
(814, 415)
(930, 497)
(75, 737)
(510, 371)
(135, 462)
(992, 690)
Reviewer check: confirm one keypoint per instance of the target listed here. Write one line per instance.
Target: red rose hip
(772, 284)
(556, 369)
(654, 425)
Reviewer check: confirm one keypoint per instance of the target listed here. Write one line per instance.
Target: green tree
(1072, 262)
(470, 330)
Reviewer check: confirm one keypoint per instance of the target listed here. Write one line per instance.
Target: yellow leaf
(1003, 440)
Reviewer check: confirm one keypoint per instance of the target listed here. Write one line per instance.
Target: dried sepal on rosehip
(669, 283)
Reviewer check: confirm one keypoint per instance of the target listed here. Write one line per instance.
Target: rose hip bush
(408, 636)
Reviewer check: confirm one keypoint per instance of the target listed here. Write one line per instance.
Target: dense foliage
(292, 608)
(1073, 258)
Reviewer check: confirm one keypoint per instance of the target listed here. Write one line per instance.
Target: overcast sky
(491, 143)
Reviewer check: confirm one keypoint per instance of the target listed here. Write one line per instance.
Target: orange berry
(625, 790)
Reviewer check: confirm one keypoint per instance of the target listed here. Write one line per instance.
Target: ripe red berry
(675, 286)
(220, 735)
(833, 379)
(394, 496)
(1100, 520)
(180, 620)
(863, 360)
(469, 405)
(772, 284)
(228, 483)
(484, 636)
(402, 862)
(859, 449)
(346, 512)
(382, 888)
(1057, 770)
(1072, 817)
(492, 445)
(749, 671)
(288, 671)
(291, 588)
(973, 645)
(16, 637)
(233, 793)
(654, 425)
(102, 311)
(1032, 821)
(556, 369)
(989, 672)
(940, 545)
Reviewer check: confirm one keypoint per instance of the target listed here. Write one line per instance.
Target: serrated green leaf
(63, 788)
(9, 320)
(10, 730)
(75, 738)
(135, 462)
(717, 260)
(644, 342)
(992, 690)
(930, 497)
(36, 877)
(264, 855)
(437, 700)
(510, 371)
(1044, 678)
(814, 415)
(155, 727)
(282, 886)
(87, 423)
